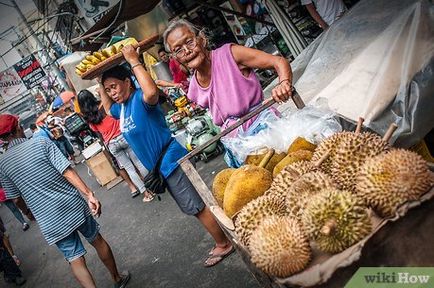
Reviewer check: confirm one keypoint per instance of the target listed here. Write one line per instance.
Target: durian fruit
(301, 144)
(335, 220)
(302, 190)
(254, 212)
(219, 184)
(255, 159)
(327, 148)
(351, 153)
(392, 178)
(280, 247)
(291, 158)
(246, 184)
(325, 152)
(289, 174)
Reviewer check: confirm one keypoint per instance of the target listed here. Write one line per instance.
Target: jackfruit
(255, 159)
(219, 184)
(246, 184)
(280, 247)
(254, 212)
(291, 158)
(301, 144)
(335, 220)
(391, 179)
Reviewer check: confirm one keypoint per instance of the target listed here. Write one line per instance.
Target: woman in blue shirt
(143, 125)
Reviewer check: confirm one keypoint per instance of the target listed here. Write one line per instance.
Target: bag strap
(160, 159)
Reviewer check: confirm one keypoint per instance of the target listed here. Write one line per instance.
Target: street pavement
(156, 242)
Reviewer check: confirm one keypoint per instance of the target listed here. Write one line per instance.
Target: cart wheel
(196, 158)
(204, 158)
(220, 148)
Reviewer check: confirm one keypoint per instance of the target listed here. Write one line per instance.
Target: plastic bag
(310, 123)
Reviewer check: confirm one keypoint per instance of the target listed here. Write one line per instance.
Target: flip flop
(214, 259)
(148, 199)
(135, 194)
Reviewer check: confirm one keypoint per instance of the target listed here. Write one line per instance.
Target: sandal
(148, 198)
(214, 259)
(135, 194)
(17, 261)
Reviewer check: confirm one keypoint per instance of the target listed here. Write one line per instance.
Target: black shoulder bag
(154, 181)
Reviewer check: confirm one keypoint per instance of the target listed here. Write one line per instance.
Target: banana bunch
(97, 57)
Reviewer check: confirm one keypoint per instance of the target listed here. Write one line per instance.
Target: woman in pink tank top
(223, 79)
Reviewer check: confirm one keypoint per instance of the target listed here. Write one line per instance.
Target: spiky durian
(280, 247)
(328, 146)
(335, 220)
(254, 212)
(392, 178)
(351, 153)
(302, 190)
(288, 175)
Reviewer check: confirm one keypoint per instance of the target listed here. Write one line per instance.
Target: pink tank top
(230, 94)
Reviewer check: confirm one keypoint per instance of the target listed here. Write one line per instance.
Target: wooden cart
(391, 230)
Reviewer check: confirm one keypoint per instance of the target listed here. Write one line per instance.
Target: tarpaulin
(376, 62)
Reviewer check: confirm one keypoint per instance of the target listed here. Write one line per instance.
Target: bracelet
(135, 65)
(283, 81)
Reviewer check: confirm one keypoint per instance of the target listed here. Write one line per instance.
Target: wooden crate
(359, 253)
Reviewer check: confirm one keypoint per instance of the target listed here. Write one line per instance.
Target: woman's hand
(131, 55)
(282, 91)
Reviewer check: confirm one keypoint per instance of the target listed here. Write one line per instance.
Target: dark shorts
(184, 193)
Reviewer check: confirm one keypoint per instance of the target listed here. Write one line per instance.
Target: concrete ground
(156, 242)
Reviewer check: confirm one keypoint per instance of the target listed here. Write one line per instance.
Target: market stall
(374, 63)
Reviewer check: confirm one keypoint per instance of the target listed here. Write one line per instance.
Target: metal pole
(54, 67)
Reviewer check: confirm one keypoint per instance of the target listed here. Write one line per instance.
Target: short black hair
(33, 126)
(118, 72)
(161, 50)
(89, 107)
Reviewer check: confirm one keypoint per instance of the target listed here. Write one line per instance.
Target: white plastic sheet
(310, 123)
(375, 62)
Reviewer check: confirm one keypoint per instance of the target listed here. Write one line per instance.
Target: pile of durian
(320, 198)
(93, 59)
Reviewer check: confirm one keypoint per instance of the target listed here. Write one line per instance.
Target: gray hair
(177, 24)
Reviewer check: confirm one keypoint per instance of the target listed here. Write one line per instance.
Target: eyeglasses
(190, 45)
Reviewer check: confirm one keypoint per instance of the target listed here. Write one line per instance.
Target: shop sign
(30, 71)
(11, 85)
(95, 10)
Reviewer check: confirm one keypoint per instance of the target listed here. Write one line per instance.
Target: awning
(130, 9)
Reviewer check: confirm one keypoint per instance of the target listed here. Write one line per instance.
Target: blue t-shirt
(145, 130)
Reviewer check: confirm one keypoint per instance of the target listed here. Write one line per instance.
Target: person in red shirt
(109, 128)
(179, 72)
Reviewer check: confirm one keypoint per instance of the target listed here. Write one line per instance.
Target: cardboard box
(102, 168)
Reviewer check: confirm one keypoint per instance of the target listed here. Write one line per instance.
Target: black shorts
(184, 193)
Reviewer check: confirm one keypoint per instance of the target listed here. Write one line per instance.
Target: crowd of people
(37, 174)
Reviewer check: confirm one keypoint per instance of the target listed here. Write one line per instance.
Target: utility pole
(54, 68)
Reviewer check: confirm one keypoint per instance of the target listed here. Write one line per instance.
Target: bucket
(162, 71)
